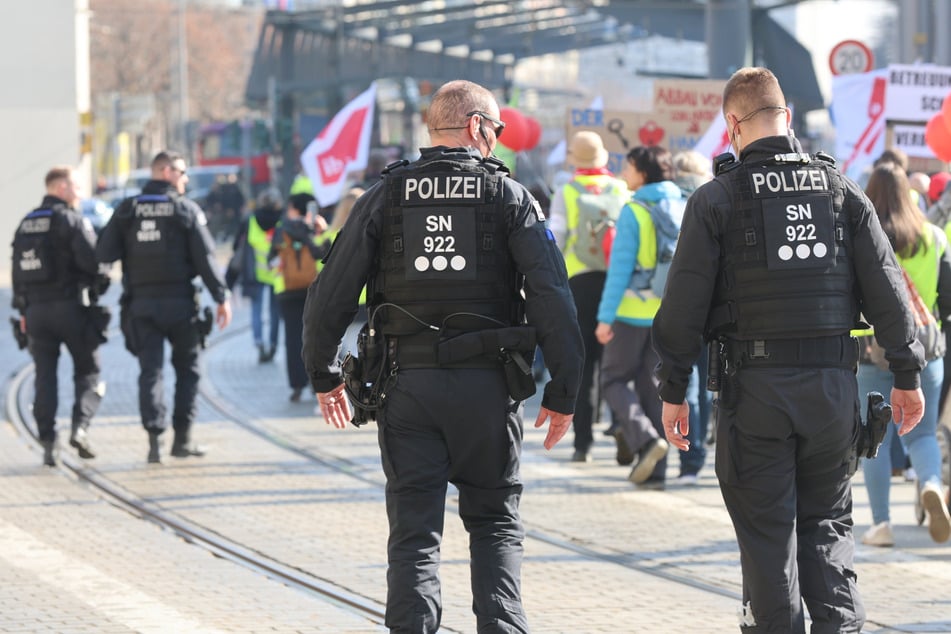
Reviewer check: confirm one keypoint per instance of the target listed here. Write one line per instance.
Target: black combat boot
(49, 457)
(80, 440)
(182, 447)
(155, 456)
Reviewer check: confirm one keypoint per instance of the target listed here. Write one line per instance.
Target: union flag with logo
(341, 147)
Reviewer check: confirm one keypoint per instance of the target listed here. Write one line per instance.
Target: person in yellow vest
(302, 185)
(582, 212)
(296, 250)
(922, 251)
(251, 248)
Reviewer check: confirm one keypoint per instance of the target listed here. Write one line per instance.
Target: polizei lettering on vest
(153, 210)
(448, 187)
(790, 181)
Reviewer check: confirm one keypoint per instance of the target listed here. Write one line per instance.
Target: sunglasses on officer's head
(499, 125)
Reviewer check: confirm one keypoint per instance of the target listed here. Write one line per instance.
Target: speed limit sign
(850, 56)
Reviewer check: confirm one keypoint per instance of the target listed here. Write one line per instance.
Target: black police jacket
(681, 322)
(70, 250)
(352, 261)
(187, 248)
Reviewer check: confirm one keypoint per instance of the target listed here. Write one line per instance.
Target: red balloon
(534, 134)
(946, 111)
(938, 137)
(516, 130)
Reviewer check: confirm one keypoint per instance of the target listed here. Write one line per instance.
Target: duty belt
(478, 349)
(837, 351)
(170, 290)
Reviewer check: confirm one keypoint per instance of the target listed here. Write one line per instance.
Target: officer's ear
(473, 126)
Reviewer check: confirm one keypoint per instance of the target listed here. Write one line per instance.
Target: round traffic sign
(850, 56)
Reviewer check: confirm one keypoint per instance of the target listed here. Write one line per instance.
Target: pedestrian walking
(162, 239)
(446, 246)
(56, 285)
(777, 257)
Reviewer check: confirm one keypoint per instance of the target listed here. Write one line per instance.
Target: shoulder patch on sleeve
(200, 218)
(538, 211)
(87, 225)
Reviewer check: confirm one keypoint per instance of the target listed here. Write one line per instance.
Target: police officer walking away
(446, 246)
(777, 257)
(162, 239)
(56, 282)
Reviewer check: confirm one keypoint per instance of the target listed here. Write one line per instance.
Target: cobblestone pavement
(600, 557)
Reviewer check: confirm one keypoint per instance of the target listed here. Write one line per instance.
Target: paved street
(600, 557)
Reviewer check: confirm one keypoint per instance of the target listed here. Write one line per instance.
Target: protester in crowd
(583, 212)
(626, 310)
(921, 250)
(249, 265)
(691, 170)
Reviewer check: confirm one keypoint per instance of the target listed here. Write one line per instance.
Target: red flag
(341, 147)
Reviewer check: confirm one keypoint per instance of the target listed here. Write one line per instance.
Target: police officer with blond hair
(55, 284)
(462, 278)
(162, 239)
(778, 256)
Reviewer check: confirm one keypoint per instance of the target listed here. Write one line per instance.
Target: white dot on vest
(440, 263)
(457, 263)
(421, 263)
(803, 251)
(785, 252)
(820, 250)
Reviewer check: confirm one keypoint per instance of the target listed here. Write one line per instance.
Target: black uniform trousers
(49, 325)
(459, 426)
(784, 437)
(586, 289)
(292, 313)
(155, 320)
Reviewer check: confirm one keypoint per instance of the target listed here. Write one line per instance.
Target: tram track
(204, 537)
(632, 561)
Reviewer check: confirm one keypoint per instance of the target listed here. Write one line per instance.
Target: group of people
(617, 236)
(770, 263)
(277, 255)
(60, 271)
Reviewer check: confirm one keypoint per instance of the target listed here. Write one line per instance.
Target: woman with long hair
(922, 251)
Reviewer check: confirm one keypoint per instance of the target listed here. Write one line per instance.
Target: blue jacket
(627, 253)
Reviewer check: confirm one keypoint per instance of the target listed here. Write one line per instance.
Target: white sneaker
(879, 535)
(939, 521)
(909, 474)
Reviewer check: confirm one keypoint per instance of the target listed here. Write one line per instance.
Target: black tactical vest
(156, 242)
(786, 270)
(41, 255)
(444, 253)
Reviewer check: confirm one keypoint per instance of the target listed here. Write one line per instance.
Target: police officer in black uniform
(56, 282)
(163, 241)
(447, 246)
(777, 258)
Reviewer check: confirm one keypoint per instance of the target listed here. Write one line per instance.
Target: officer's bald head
(454, 100)
(750, 89)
